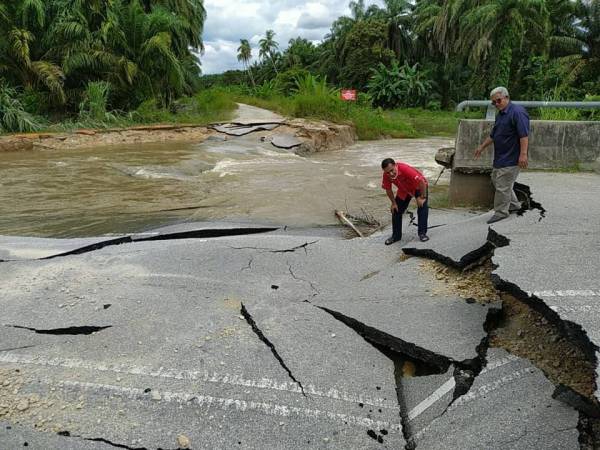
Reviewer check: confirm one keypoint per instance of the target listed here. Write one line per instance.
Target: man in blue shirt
(510, 137)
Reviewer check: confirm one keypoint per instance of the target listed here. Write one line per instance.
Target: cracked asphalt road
(311, 360)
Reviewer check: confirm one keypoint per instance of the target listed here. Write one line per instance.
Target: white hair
(499, 90)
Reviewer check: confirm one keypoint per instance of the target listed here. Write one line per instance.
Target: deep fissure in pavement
(411, 360)
(524, 195)
(527, 327)
(409, 351)
(194, 234)
(204, 234)
(269, 344)
(92, 247)
(468, 261)
(108, 442)
(72, 331)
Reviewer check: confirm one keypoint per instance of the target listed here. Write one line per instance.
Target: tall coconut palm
(439, 22)
(245, 55)
(23, 60)
(357, 9)
(397, 14)
(268, 46)
(494, 29)
(577, 44)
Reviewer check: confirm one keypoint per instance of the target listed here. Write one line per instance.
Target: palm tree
(23, 59)
(493, 30)
(397, 14)
(577, 40)
(143, 48)
(245, 55)
(268, 46)
(589, 14)
(357, 9)
(439, 22)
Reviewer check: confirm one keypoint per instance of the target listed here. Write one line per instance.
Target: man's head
(499, 97)
(389, 166)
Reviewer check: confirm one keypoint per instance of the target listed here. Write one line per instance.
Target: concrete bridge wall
(552, 145)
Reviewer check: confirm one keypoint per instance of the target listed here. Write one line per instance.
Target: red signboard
(349, 95)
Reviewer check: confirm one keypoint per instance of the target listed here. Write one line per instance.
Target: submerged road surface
(120, 189)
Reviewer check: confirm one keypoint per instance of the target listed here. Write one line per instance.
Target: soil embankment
(309, 136)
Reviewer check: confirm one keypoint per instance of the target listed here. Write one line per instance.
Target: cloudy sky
(228, 21)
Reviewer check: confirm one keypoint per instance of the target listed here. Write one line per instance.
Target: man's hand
(394, 208)
(479, 150)
(421, 201)
(523, 161)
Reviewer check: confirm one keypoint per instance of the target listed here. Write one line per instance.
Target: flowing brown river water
(127, 188)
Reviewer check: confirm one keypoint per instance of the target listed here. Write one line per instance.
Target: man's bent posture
(409, 183)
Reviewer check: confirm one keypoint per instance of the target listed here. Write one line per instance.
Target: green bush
(400, 86)
(287, 81)
(557, 113)
(266, 90)
(319, 107)
(208, 105)
(95, 100)
(13, 116)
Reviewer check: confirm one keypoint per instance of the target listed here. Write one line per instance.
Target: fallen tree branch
(342, 217)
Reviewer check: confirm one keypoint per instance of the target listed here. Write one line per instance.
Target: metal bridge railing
(491, 109)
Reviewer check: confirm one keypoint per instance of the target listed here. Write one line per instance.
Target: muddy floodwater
(118, 189)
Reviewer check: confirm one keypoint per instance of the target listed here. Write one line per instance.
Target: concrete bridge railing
(552, 145)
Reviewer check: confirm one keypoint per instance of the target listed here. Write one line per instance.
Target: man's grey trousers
(505, 199)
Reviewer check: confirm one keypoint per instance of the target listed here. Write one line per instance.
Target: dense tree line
(56, 55)
(438, 52)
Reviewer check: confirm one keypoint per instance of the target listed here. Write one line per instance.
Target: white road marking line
(575, 308)
(432, 399)
(567, 293)
(481, 391)
(195, 375)
(487, 388)
(207, 401)
(449, 385)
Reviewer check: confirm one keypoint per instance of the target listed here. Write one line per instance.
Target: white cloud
(229, 21)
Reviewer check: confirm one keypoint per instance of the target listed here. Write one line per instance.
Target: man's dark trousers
(422, 215)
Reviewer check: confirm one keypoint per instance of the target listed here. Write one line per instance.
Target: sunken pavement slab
(555, 261)
(509, 406)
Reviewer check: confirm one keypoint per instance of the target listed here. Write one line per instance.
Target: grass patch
(208, 106)
(431, 123)
(371, 123)
(219, 104)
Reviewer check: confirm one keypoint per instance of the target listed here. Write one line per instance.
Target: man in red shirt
(409, 183)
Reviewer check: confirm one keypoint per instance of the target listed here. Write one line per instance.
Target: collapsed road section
(531, 327)
(390, 354)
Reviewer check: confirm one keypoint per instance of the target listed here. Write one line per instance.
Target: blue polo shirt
(511, 125)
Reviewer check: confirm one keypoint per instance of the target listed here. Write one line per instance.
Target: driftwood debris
(342, 217)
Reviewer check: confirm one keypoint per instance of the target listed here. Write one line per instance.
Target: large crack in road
(411, 360)
(192, 234)
(526, 327)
